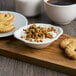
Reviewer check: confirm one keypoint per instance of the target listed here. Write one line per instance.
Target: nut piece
(29, 39)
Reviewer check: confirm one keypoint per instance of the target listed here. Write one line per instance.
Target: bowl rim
(26, 41)
(50, 4)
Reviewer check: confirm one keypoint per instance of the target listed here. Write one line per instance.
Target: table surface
(11, 67)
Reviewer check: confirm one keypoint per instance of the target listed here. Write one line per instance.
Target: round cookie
(6, 28)
(64, 43)
(9, 17)
(5, 23)
(70, 50)
(6, 18)
(1, 16)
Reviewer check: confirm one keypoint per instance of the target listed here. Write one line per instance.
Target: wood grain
(11, 67)
(50, 57)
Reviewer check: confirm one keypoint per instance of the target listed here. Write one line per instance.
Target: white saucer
(19, 21)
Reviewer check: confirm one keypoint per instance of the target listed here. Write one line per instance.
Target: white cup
(28, 7)
(60, 14)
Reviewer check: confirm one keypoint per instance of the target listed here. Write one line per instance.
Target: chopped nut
(23, 37)
(37, 40)
(24, 29)
(33, 26)
(28, 36)
(29, 39)
(52, 29)
(48, 35)
(41, 40)
(36, 36)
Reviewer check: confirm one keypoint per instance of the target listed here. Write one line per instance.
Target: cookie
(66, 41)
(6, 17)
(1, 16)
(70, 50)
(69, 46)
(6, 28)
(5, 23)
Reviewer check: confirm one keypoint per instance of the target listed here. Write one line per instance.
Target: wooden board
(51, 57)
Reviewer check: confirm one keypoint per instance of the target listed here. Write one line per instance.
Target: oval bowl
(38, 45)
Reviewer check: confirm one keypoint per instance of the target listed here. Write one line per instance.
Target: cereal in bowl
(38, 33)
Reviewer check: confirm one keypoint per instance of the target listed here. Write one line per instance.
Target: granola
(38, 34)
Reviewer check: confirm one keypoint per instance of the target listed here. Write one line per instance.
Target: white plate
(19, 21)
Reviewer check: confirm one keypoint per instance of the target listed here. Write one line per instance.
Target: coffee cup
(61, 14)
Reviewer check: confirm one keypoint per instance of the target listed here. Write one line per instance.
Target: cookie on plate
(6, 28)
(6, 17)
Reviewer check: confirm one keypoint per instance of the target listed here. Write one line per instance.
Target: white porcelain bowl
(60, 14)
(38, 45)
